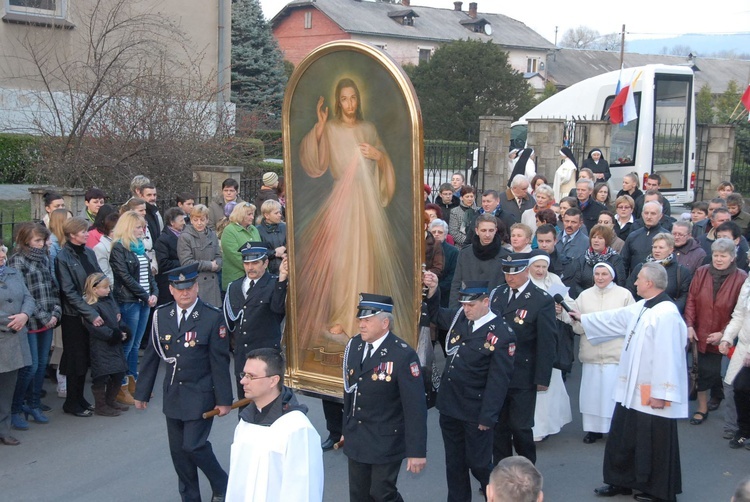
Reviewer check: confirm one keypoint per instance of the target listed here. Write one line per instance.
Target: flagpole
(622, 47)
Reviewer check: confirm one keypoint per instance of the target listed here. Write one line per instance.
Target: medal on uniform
(374, 377)
(186, 344)
(388, 371)
(167, 337)
(491, 341)
(190, 337)
(192, 343)
(520, 316)
(166, 347)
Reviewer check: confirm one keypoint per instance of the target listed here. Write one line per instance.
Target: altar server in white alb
(642, 451)
(276, 454)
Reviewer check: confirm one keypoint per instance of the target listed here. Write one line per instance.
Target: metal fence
(442, 159)
(741, 168)
(701, 154)
(8, 224)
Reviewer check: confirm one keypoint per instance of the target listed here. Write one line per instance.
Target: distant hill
(701, 45)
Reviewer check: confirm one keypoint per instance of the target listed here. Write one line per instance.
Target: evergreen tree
(258, 76)
(727, 102)
(463, 81)
(704, 111)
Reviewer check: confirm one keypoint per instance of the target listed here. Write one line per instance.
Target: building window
(308, 20)
(50, 8)
(424, 55)
(532, 65)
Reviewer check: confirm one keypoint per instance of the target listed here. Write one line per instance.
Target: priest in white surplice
(642, 451)
(276, 454)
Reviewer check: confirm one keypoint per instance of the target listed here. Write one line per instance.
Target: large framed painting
(353, 170)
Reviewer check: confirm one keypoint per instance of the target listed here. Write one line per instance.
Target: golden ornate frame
(317, 370)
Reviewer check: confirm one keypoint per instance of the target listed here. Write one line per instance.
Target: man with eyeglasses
(689, 253)
(189, 335)
(276, 452)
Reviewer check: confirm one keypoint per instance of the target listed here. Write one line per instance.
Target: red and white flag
(745, 99)
(623, 108)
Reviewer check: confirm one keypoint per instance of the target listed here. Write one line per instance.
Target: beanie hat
(270, 179)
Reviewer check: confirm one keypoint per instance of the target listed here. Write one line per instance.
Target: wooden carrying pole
(235, 405)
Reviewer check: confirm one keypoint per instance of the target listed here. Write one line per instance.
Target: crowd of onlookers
(82, 288)
(594, 244)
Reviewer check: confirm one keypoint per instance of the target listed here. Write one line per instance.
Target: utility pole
(556, 36)
(622, 46)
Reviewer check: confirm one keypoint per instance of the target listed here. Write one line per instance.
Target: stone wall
(719, 143)
(494, 137)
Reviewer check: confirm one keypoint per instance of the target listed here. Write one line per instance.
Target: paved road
(126, 458)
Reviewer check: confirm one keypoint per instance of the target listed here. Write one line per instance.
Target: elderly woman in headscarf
(598, 165)
(553, 405)
(565, 175)
(599, 362)
(16, 307)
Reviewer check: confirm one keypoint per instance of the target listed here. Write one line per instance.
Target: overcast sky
(642, 18)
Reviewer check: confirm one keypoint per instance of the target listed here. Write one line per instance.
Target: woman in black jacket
(166, 251)
(135, 290)
(73, 264)
(678, 276)
(600, 250)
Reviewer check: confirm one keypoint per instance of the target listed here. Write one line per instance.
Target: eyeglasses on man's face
(253, 377)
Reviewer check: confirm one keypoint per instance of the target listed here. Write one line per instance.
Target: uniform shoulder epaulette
(217, 309)
(170, 304)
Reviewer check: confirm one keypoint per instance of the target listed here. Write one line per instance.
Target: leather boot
(100, 403)
(124, 397)
(113, 391)
(131, 384)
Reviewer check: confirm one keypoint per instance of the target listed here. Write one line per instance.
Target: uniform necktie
(249, 288)
(514, 295)
(368, 355)
(183, 318)
(471, 326)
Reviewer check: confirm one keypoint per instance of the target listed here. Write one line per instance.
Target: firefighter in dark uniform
(254, 306)
(385, 411)
(530, 312)
(190, 336)
(480, 348)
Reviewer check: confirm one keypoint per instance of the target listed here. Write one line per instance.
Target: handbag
(565, 354)
(693, 372)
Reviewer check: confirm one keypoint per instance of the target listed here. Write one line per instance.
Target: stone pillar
(207, 180)
(719, 143)
(545, 136)
(494, 138)
(598, 135)
(74, 200)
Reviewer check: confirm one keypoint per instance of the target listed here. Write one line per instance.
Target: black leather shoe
(218, 497)
(713, 404)
(645, 497)
(612, 490)
(81, 413)
(327, 445)
(9, 441)
(591, 437)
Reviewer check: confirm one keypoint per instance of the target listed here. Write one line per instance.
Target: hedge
(18, 152)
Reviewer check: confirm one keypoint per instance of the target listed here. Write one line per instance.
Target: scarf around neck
(487, 252)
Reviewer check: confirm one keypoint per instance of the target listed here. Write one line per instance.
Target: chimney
(457, 6)
(473, 10)
(406, 3)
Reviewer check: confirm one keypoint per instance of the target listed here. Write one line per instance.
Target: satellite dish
(487, 29)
